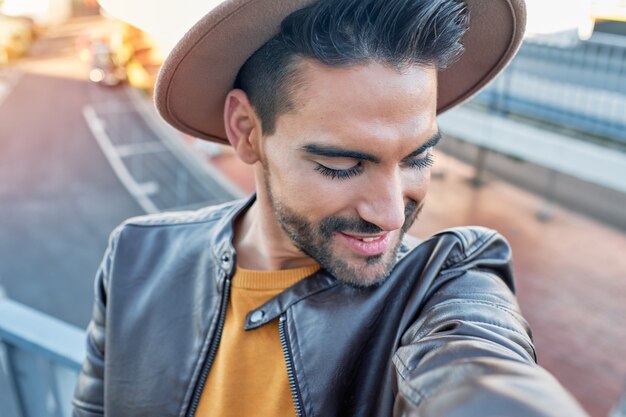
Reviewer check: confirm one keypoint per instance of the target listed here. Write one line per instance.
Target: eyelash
(340, 174)
(344, 174)
(425, 162)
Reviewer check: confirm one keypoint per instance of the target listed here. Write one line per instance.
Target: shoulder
(470, 235)
(469, 243)
(459, 250)
(460, 242)
(204, 225)
(183, 218)
(162, 245)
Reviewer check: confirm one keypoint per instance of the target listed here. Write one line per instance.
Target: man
(308, 299)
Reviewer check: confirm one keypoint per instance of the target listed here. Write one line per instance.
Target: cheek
(416, 186)
(306, 190)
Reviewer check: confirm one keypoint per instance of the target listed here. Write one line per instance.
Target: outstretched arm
(470, 352)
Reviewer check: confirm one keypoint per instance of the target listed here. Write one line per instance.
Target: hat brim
(201, 69)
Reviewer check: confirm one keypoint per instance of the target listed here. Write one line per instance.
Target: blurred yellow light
(84, 54)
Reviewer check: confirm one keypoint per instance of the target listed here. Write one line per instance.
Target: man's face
(346, 173)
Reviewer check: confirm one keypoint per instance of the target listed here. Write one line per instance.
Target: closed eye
(340, 174)
(421, 163)
(344, 174)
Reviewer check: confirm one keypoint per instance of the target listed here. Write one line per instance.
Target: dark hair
(350, 32)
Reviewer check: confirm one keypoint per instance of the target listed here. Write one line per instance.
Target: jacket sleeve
(89, 391)
(470, 353)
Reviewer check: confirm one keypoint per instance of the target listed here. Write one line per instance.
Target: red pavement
(571, 274)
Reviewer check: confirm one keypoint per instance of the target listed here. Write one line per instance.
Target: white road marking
(113, 107)
(171, 139)
(137, 191)
(149, 188)
(8, 80)
(139, 148)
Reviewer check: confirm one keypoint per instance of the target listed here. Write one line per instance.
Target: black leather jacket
(443, 336)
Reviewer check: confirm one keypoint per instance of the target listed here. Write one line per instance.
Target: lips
(367, 245)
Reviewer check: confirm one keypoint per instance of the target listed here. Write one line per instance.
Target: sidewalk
(570, 274)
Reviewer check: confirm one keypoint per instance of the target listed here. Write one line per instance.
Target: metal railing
(40, 358)
(580, 87)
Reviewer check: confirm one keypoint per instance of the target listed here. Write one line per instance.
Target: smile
(367, 245)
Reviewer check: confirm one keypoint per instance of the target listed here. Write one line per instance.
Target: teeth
(369, 239)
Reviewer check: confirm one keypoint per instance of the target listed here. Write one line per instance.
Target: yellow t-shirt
(249, 374)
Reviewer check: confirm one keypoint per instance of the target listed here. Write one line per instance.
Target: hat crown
(200, 71)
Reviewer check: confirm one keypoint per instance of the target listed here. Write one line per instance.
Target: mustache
(331, 225)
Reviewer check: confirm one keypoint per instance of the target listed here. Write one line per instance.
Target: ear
(243, 127)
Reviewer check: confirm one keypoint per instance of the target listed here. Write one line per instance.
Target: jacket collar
(224, 233)
(322, 280)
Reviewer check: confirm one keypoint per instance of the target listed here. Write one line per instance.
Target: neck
(261, 243)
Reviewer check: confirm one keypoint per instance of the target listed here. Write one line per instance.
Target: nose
(383, 203)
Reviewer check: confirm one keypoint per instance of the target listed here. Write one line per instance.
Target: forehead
(367, 105)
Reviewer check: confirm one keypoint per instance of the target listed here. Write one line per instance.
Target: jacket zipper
(212, 352)
(295, 391)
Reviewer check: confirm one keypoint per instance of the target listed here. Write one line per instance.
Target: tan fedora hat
(201, 69)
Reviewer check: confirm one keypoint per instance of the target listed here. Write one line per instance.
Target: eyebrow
(431, 143)
(331, 151)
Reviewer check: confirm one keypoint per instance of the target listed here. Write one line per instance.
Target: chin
(358, 271)
(364, 282)
(373, 273)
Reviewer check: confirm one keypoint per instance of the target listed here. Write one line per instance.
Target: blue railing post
(40, 358)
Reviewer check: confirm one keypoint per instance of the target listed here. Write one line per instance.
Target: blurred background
(539, 155)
